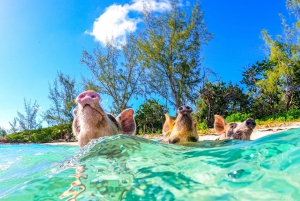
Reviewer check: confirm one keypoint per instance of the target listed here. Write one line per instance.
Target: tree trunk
(208, 121)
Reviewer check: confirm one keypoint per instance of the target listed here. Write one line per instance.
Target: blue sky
(40, 38)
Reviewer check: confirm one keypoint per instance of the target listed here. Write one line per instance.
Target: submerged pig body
(91, 122)
(239, 131)
(183, 128)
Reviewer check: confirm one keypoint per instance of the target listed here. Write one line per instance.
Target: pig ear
(170, 121)
(195, 124)
(126, 121)
(219, 124)
(167, 127)
(167, 117)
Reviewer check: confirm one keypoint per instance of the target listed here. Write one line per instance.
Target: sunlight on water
(131, 168)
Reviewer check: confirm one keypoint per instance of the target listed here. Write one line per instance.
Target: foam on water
(131, 168)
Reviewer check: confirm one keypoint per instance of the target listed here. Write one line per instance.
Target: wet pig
(91, 121)
(184, 128)
(239, 131)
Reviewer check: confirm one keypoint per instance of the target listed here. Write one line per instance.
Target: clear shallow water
(131, 168)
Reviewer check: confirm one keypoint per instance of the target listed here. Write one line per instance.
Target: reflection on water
(130, 168)
(76, 187)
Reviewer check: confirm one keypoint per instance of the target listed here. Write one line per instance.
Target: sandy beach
(257, 133)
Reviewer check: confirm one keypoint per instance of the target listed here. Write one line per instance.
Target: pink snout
(88, 97)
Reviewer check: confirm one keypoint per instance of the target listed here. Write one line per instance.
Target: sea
(129, 168)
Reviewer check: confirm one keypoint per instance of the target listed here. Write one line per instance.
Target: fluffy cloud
(116, 22)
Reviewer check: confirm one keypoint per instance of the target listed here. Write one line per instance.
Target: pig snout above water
(183, 128)
(240, 131)
(91, 122)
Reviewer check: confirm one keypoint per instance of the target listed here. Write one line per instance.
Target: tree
(62, 95)
(120, 81)
(170, 47)
(27, 121)
(293, 7)
(3, 132)
(255, 72)
(285, 55)
(284, 52)
(14, 125)
(217, 98)
(150, 116)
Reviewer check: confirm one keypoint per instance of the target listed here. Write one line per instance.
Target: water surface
(131, 168)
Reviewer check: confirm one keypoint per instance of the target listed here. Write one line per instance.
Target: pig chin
(242, 134)
(92, 115)
(184, 122)
(92, 109)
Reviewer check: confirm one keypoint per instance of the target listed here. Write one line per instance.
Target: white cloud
(116, 22)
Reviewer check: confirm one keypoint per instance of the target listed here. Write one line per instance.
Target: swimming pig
(183, 128)
(240, 131)
(91, 122)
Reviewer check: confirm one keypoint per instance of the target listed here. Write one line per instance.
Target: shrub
(17, 137)
(283, 116)
(238, 117)
(202, 128)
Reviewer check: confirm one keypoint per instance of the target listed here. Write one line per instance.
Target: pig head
(183, 128)
(239, 131)
(91, 122)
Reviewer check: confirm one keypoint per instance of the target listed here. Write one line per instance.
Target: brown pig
(183, 128)
(91, 122)
(239, 131)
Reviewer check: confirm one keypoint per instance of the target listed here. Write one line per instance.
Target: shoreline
(257, 133)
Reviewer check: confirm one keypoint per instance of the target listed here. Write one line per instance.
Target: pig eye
(233, 125)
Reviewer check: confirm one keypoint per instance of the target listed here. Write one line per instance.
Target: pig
(168, 125)
(183, 128)
(239, 131)
(91, 122)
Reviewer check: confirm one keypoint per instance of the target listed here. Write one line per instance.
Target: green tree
(120, 81)
(62, 95)
(255, 72)
(293, 7)
(285, 55)
(217, 98)
(27, 121)
(170, 47)
(14, 125)
(150, 116)
(284, 52)
(3, 132)
(264, 90)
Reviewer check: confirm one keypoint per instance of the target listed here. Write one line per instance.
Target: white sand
(257, 133)
(63, 143)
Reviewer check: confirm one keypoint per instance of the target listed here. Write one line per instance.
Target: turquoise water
(130, 168)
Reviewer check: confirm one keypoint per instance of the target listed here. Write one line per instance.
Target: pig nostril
(93, 96)
(187, 107)
(180, 108)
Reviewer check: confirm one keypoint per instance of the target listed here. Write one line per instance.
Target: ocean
(130, 168)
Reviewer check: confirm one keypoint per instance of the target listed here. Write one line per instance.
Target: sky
(40, 38)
